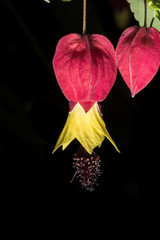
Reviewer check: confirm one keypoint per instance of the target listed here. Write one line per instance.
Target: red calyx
(85, 68)
(138, 56)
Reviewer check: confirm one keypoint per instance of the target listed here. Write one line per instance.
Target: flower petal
(97, 122)
(88, 128)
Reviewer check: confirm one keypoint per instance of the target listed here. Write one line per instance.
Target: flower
(85, 68)
(138, 56)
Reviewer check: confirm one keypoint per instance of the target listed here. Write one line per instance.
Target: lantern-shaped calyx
(138, 56)
(85, 68)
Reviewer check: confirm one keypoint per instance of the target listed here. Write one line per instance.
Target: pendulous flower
(85, 68)
(138, 56)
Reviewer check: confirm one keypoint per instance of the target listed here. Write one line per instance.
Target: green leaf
(155, 4)
(48, 1)
(138, 8)
(157, 14)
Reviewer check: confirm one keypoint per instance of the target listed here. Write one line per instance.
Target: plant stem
(84, 16)
(153, 19)
(145, 14)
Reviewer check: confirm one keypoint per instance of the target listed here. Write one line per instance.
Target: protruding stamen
(87, 168)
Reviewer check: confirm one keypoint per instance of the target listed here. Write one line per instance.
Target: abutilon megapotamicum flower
(138, 56)
(85, 68)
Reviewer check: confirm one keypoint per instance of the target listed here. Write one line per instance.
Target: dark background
(37, 197)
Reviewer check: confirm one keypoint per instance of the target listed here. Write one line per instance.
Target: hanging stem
(84, 16)
(153, 18)
(145, 14)
(152, 21)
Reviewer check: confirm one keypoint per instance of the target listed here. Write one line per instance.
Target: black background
(37, 197)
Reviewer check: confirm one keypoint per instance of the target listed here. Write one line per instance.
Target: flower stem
(145, 14)
(84, 16)
(152, 21)
(153, 18)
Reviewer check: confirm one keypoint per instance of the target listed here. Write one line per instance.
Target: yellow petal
(88, 128)
(97, 121)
